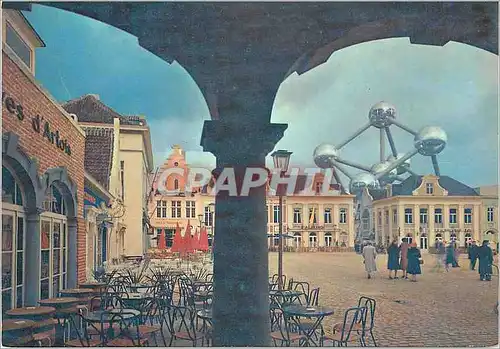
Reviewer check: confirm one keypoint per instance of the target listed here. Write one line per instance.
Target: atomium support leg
(435, 165)
(403, 127)
(339, 181)
(391, 142)
(342, 169)
(382, 145)
(357, 133)
(396, 163)
(353, 164)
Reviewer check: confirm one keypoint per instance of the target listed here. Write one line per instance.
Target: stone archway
(59, 178)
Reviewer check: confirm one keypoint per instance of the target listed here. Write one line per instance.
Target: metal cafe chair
(342, 335)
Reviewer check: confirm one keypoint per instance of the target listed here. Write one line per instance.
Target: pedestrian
(414, 261)
(450, 256)
(404, 257)
(393, 259)
(369, 256)
(456, 255)
(485, 255)
(472, 254)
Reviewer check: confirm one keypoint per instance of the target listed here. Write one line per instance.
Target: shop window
(13, 242)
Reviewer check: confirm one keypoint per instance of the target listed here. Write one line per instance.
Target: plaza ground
(451, 309)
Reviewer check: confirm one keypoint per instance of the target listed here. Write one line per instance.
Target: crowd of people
(407, 258)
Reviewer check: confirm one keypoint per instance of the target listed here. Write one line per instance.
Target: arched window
(328, 239)
(313, 240)
(13, 241)
(176, 184)
(297, 237)
(468, 239)
(53, 244)
(439, 237)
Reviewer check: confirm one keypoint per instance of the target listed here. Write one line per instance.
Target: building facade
(119, 156)
(311, 222)
(43, 229)
(489, 214)
(423, 209)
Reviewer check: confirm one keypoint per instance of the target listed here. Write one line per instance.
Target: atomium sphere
(381, 167)
(324, 154)
(430, 140)
(403, 167)
(381, 113)
(363, 180)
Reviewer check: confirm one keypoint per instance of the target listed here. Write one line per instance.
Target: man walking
(485, 255)
(369, 255)
(472, 254)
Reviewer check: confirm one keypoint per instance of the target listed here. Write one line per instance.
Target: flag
(311, 218)
(204, 240)
(196, 241)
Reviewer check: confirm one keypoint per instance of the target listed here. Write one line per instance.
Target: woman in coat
(393, 259)
(450, 256)
(414, 261)
(485, 255)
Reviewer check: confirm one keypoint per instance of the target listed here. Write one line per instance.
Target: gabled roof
(406, 188)
(99, 154)
(89, 108)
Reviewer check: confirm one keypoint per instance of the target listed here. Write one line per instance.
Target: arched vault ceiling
(241, 52)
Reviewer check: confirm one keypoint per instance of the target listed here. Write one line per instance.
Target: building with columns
(424, 209)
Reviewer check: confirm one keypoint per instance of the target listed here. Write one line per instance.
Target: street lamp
(281, 159)
(200, 219)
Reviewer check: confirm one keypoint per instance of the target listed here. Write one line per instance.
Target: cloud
(453, 87)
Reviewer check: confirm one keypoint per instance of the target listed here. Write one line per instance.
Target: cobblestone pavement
(451, 309)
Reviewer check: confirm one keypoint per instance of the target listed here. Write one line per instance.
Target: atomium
(429, 141)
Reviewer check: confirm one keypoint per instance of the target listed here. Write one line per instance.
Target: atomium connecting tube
(357, 133)
(391, 142)
(333, 166)
(396, 163)
(403, 127)
(435, 165)
(352, 164)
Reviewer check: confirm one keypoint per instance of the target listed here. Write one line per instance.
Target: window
(408, 216)
(438, 216)
(395, 216)
(209, 222)
(13, 242)
(312, 216)
(18, 45)
(53, 201)
(386, 217)
(429, 188)
(53, 246)
(313, 240)
(11, 192)
(176, 184)
(328, 239)
(159, 231)
(276, 214)
(453, 216)
(343, 216)
(490, 214)
(161, 209)
(379, 218)
(122, 179)
(423, 216)
(297, 216)
(190, 209)
(468, 216)
(366, 223)
(176, 209)
(328, 215)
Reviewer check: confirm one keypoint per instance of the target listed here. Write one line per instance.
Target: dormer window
(18, 45)
(429, 188)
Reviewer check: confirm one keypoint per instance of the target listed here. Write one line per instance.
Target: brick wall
(22, 89)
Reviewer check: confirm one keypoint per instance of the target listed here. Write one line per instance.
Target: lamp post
(281, 159)
(200, 219)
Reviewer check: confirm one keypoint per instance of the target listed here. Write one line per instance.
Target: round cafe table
(65, 307)
(297, 311)
(17, 332)
(83, 294)
(42, 316)
(93, 285)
